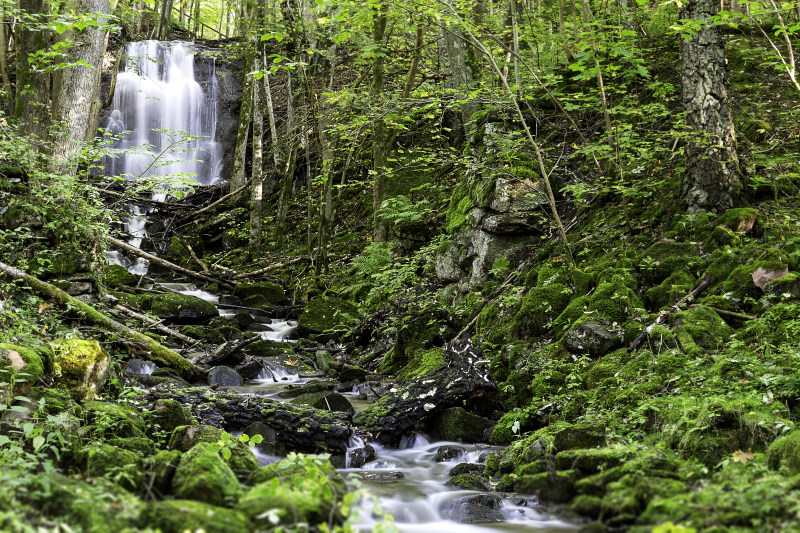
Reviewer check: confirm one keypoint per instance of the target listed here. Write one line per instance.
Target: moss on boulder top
(177, 516)
(80, 367)
(241, 461)
(203, 475)
(117, 276)
(325, 313)
(182, 308)
(271, 293)
(20, 366)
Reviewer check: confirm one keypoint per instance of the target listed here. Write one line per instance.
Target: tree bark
(150, 349)
(454, 52)
(245, 117)
(32, 85)
(379, 157)
(9, 107)
(711, 181)
(257, 170)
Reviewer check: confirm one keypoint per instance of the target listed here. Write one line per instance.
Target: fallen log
(166, 264)
(215, 204)
(663, 315)
(150, 349)
(156, 325)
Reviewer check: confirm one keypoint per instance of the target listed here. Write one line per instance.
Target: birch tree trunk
(258, 167)
(711, 181)
(242, 135)
(76, 89)
(454, 53)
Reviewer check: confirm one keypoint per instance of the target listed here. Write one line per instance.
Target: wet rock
(250, 368)
(269, 348)
(269, 436)
(556, 487)
(167, 415)
(360, 456)
(466, 468)
(330, 401)
(459, 382)
(299, 428)
(293, 391)
(20, 366)
(177, 516)
(381, 475)
(579, 437)
(161, 469)
(455, 424)
(468, 482)
(477, 509)
(204, 476)
(243, 319)
(182, 308)
(594, 336)
(259, 327)
(224, 376)
(351, 373)
(446, 453)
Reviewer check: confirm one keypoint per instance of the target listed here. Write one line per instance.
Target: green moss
(177, 516)
(325, 313)
(204, 476)
(700, 328)
(468, 482)
(114, 420)
(422, 362)
(503, 432)
(672, 289)
(456, 424)
(742, 219)
(591, 461)
(184, 438)
(99, 460)
(80, 367)
(161, 469)
(116, 276)
(178, 307)
(664, 258)
(139, 445)
(20, 366)
(211, 335)
(166, 415)
(613, 301)
(538, 309)
(556, 488)
(785, 453)
(272, 293)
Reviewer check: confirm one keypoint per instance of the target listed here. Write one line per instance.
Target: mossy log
(150, 349)
(166, 264)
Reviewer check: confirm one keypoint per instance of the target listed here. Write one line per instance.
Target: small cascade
(272, 373)
(279, 330)
(140, 366)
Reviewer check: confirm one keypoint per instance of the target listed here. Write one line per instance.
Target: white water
(420, 501)
(191, 290)
(279, 330)
(163, 115)
(140, 366)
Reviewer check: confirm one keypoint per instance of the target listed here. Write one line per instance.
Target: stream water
(157, 95)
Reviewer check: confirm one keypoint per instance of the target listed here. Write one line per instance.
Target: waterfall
(165, 120)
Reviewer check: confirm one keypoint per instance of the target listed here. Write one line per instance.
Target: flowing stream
(165, 120)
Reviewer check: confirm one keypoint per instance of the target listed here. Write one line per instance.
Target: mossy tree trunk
(257, 172)
(243, 133)
(711, 181)
(379, 155)
(32, 85)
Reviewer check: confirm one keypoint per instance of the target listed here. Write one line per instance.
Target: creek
(156, 95)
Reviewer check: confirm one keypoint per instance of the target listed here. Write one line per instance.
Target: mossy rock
(203, 475)
(741, 220)
(178, 516)
(80, 366)
(503, 432)
(468, 482)
(114, 420)
(165, 415)
(302, 488)
(421, 362)
(139, 445)
(672, 289)
(100, 460)
(161, 467)
(20, 366)
(325, 313)
(579, 436)
(614, 302)
(184, 438)
(593, 336)
(182, 308)
(117, 276)
(270, 293)
(539, 307)
(591, 461)
(269, 348)
(457, 425)
(700, 328)
(204, 333)
(786, 287)
(325, 400)
(785, 453)
(556, 488)
(664, 258)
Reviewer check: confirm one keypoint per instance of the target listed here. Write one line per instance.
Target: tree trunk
(454, 53)
(245, 117)
(257, 166)
(32, 86)
(9, 107)
(379, 157)
(196, 17)
(76, 90)
(711, 181)
(164, 19)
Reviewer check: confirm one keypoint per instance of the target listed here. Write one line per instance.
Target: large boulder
(477, 509)
(177, 516)
(264, 292)
(20, 366)
(203, 475)
(241, 460)
(80, 367)
(593, 336)
(327, 401)
(110, 420)
(98, 460)
(224, 376)
(325, 313)
(182, 308)
(456, 424)
(166, 415)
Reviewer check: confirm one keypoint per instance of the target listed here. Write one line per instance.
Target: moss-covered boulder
(672, 289)
(477, 509)
(665, 257)
(593, 336)
(612, 301)
(161, 469)
(139, 445)
(468, 482)
(110, 420)
(80, 367)
(99, 460)
(203, 475)
(539, 307)
(302, 489)
(182, 308)
(269, 293)
(456, 424)
(178, 516)
(241, 461)
(700, 328)
(785, 453)
(421, 362)
(20, 367)
(325, 313)
(741, 219)
(117, 276)
(269, 348)
(166, 415)
(579, 436)
(326, 400)
(558, 487)
(785, 287)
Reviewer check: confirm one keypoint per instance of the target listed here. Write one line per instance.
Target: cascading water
(163, 125)
(163, 117)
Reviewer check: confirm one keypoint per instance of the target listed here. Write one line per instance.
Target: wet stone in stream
(446, 453)
(474, 509)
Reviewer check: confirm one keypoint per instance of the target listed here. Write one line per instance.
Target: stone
(203, 475)
(466, 468)
(161, 469)
(557, 487)
(116, 276)
(97, 460)
(579, 437)
(167, 415)
(378, 475)
(184, 438)
(447, 453)
(482, 508)
(351, 373)
(785, 453)
(360, 456)
(270, 293)
(80, 367)
(269, 437)
(178, 516)
(250, 368)
(110, 420)
(327, 401)
(593, 336)
(448, 267)
(20, 366)
(468, 482)
(456, 424)
(325, 313)
(182, 308)
(224, 376)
